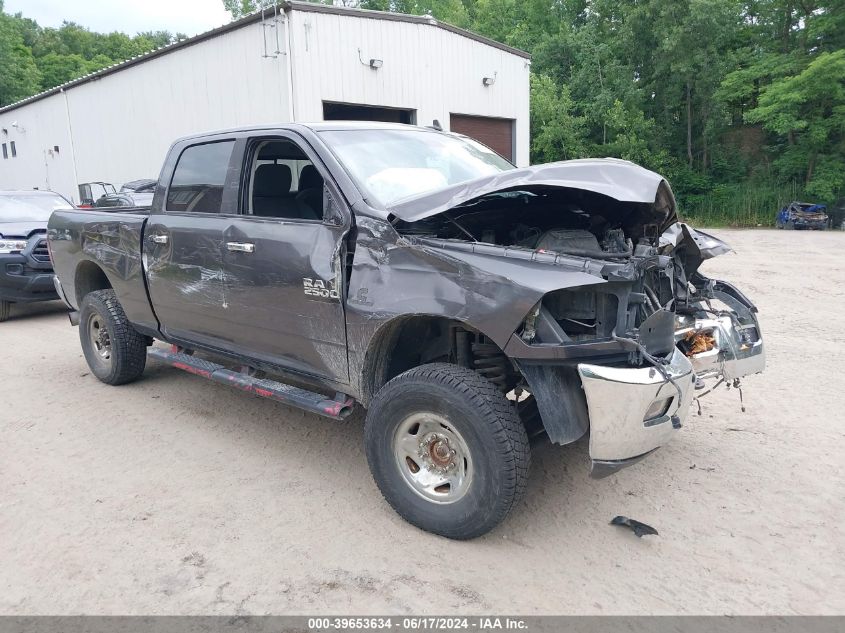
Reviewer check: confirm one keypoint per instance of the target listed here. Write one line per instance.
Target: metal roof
(28, 192)
(306, 7)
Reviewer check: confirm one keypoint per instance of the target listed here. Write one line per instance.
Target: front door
(247, 256)
(283, 261)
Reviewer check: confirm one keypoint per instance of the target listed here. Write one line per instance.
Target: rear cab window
(199, 178)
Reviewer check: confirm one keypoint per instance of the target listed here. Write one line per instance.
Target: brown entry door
(496, 134)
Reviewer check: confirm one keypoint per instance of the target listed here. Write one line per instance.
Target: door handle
(158, 239)
(240, 247)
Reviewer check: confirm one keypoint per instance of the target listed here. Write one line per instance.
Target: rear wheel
(115, 351)
(447, 450)
(5, 308)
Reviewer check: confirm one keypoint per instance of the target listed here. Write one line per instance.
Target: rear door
(183, 244)
(283, 260)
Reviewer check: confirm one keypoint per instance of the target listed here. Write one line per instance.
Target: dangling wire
(657, 362)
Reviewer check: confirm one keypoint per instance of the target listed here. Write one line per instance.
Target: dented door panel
(283, 299)
(185, 274)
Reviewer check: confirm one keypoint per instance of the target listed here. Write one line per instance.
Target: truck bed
(113, 239)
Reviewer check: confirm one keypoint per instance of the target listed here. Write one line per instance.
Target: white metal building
(303, 62)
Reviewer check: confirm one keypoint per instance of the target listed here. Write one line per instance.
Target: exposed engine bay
(626, 332)
(648, 295)
(565, 220)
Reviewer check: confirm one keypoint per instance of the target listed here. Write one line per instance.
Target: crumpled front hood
(618, 179)
(22, 229)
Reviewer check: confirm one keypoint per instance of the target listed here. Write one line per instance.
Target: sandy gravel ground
(177, 496)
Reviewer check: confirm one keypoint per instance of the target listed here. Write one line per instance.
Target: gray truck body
(596, 319)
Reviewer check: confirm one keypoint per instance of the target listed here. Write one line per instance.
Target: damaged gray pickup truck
(465, 303)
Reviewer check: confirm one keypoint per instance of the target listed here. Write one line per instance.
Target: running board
(337, 408)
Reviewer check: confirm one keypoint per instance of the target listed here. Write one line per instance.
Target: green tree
(57, 69)
(19, 76)
(556, 133)
(35, 58)
(240, 8)
(807, 113)
(76, 39)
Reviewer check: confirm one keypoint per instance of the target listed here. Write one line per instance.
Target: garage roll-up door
(363, 112)
(494, 133)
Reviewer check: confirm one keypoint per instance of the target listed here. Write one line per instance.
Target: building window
(5, 151)
(14, 151)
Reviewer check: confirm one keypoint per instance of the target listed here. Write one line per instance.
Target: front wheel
(5, 308)
(115, 351)
(447, 450)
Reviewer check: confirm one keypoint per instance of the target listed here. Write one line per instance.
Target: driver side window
(283, 182)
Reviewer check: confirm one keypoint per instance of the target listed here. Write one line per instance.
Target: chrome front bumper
(618, 401)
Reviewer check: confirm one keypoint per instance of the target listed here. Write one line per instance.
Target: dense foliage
(740, 103)
(35, 58)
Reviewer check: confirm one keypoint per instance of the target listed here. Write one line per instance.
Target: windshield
(394, 164)
(30, 207)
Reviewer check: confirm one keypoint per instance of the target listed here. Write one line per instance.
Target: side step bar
(337, 408)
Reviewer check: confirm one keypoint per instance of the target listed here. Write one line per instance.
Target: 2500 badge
(319, 288)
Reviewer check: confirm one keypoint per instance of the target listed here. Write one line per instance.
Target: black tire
(117, 354)
(479, 418)
(5, 308)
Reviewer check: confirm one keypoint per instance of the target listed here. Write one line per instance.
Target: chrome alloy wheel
(433, 457)
(99, 337)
